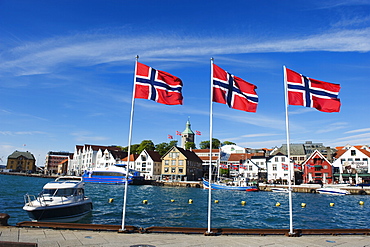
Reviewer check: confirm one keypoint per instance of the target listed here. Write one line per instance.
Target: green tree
(190, 145)
(133, 150)
(163, 147)
(215, 144)
(147, 145)
(228, 143)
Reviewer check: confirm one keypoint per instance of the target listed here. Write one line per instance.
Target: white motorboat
(281, 190)
(62, 200)
(333, 191)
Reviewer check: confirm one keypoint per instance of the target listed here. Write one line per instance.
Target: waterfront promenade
(42, 237)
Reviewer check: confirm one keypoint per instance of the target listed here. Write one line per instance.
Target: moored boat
(222, 186)
(113, 175)
(333, 191)
(281, 190)
(62, 200)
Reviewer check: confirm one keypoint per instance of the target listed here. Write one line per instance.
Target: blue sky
(66, 70)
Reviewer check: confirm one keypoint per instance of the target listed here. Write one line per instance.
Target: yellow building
(179, 164)
(21, 162)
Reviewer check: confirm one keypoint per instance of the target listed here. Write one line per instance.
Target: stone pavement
(63, 238)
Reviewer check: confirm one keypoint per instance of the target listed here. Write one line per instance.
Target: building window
(173, 169)
(166, 162)
(181, 170)
(276, 159)
(251, 168)
(353, 152)
(181, 162)
(274, 167)
(173, 162)
(166, 169)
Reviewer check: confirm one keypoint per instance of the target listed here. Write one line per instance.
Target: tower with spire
(187, 135)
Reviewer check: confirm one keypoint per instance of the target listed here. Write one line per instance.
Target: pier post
(4, 219)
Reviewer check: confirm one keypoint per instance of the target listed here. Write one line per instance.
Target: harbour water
(260, 210)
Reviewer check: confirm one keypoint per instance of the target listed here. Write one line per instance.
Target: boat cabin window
(64, 192)
(48, 192)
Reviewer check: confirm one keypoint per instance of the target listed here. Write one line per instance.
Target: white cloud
(89, 50)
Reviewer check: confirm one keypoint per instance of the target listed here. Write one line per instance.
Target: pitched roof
(133, 157)
(118, 154)
(295, 149)
(154, 155)
(190, 155)
(97, 147)
(16, 154)
(237, 157)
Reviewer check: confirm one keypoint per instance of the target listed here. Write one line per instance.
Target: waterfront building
(179, 164)
(299, 152)
(53, 160)
(187, 135)
(20, 161)
(317, 169)
(278, 168)
(255, 167)
(204, 154)
(89, 157)
(129, 162)
(149, 164)
(351, 164)
(63, 167)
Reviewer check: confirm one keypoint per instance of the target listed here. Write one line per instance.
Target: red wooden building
(317, 169)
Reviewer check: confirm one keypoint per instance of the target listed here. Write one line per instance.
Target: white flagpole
(210, 154)
(288, 153)
(129, 151)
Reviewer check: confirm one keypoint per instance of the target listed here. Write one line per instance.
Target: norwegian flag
(297, 166)
(170, 137)
(157, 85)
(198, 133)
(223, 166)
(312, 93)
(178, 133)
(233, 91)
(234, 167)
(285, 166)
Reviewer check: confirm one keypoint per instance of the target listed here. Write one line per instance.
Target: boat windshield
(59, 192)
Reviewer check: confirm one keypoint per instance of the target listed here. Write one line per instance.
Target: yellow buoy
(145, 201)
(277, 204)
(361, 203)
(172, 200)
(190, 201)
(243, 203)
(216, 201)
(332, 204)
(110, 200)
(303, 205)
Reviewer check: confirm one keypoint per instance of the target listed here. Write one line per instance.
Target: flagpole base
(293, 234)
(207, 233)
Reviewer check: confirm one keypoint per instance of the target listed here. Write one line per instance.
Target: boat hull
(331, 191)
(60, 213)
(226, 187)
